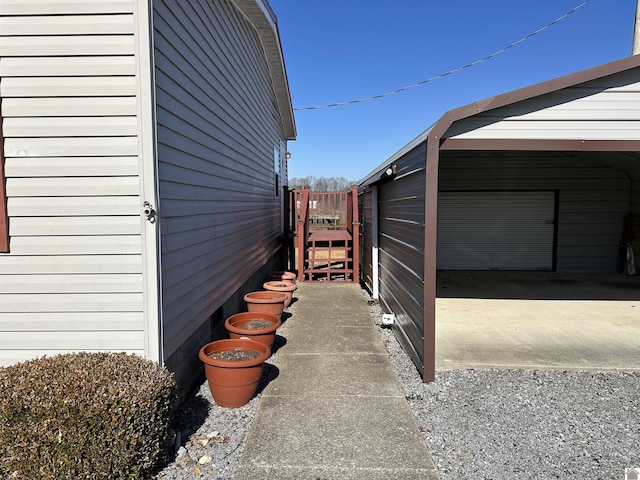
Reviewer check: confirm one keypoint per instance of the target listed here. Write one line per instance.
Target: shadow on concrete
(537, 285)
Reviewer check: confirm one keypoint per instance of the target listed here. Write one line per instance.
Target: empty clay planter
(279, 275)
(266, 301)
(233, 382)
(283, 286)
(235, 325)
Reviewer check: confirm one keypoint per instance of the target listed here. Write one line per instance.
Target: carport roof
(439, 128)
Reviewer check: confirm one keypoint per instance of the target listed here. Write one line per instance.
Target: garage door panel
(496, 230)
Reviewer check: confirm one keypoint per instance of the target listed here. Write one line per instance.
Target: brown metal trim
(430, 243)
(4, 217)
(541, 145)
(543, 88)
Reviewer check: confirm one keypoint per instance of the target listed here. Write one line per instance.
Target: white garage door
(495, 230)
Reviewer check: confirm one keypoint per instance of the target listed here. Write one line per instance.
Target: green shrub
(84, 416)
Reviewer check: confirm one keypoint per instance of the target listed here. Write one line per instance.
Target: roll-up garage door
(496, 230)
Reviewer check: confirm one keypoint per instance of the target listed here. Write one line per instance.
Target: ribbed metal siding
(401, 250)
(218, 126)
(495, 230)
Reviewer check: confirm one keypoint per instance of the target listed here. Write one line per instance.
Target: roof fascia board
(532, 91)
(262, 17)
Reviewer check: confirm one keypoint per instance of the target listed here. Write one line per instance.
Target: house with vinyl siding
(545, 178)
(142, 162)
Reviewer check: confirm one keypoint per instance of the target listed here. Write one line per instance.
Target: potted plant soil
(260, 327)
(266, 301)
(283, 286)
(280, 275)
(233, 368)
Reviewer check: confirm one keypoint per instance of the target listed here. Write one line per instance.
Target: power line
(450, 72)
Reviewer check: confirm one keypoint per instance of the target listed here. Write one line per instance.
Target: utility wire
(450, 72)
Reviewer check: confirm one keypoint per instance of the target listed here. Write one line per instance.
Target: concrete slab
(537, 320)
(352, 374)
(335, 409)
(335, 436)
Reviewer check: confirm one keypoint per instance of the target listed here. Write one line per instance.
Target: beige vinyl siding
(592, 199)
(218, 125)
(603, 109)
(73, 279)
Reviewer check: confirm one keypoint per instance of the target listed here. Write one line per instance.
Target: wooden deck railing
(312, 211)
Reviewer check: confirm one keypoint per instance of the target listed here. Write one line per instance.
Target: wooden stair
(329, 256)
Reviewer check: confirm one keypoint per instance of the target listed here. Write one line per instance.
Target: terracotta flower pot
(266, 302)
(279, 275)
(233, 382)
(236, 326)
(283, 286)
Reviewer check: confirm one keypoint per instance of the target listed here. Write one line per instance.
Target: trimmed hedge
(84, 416)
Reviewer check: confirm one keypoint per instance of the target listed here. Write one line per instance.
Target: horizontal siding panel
(68, 86)
(73, 206)
(73, 186)
(67, 66)
(199, 302)
(70, 126)
(76, 302)
(67, 45)
(43, 226)
(69, 264)
(71, 166)
(70, 147)
(70, 321)
(11, 357)
(64, 284)
(77, 245)
(67, 24)
(69, 107)
(558, 130)
(222, 234)
(606, 106)
(78, 341)
(47, 7)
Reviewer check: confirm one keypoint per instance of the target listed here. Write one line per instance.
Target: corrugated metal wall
(218, 126)
(593, 199)
(401, 249)
(73, 279)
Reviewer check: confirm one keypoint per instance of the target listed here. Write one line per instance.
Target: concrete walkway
(335, 409)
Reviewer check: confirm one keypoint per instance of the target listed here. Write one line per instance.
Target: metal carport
(577, 136)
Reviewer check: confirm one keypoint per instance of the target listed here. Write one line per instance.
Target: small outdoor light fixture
(287, 155)
(389, 172)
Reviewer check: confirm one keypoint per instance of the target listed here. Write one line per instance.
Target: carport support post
(430, 241)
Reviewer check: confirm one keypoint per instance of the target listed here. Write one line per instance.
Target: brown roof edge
(573, 79)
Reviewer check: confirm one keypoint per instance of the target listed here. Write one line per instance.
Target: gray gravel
(477, 424)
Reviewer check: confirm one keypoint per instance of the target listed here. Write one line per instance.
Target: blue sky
(342, 50)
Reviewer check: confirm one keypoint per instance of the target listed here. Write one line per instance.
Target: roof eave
(262, 17)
